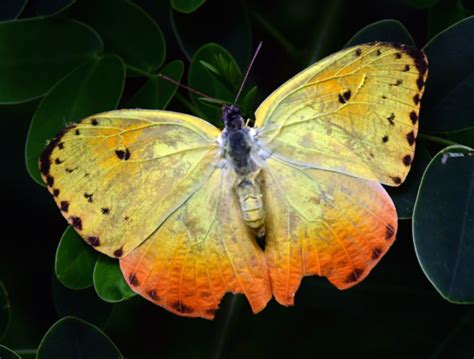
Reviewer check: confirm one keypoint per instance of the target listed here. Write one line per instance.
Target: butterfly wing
(118, 175)
(324, 223)
(199, 253)
(355, 112)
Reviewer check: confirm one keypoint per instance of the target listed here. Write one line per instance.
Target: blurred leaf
(109, 282)
(75, 261)
(249, 103)
(445, 14)
(186, 6)
(52, 7)
(127, 30)
(229, 27)
(72, 337)
(6, 353)
(5, 310)
(93, 87)
(10, 9)
(223, 86)
(157, 92)
(384, 30)
(404, 196)
(83, 303)
(463, 137)
(421, 4)
(448, 104)
(443, 219)
(36, 53)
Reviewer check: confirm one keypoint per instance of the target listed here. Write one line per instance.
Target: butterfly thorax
(241, 155)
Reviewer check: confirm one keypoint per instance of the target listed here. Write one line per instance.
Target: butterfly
(181, 203)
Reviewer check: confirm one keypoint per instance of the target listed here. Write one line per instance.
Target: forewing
(118, 175)
(355, 112)
(202, 251)
(323, 223)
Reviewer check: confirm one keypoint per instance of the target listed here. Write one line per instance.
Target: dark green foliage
(73, 338)
(89, 56)
(6, 353)
(75, 261)
(443, 223)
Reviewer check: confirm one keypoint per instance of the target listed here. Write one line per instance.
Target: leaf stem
(189, 105)
(436, 139)
(224, 332)
(25, 351)
(138, 71)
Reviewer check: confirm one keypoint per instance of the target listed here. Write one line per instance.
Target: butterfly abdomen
(251, 204)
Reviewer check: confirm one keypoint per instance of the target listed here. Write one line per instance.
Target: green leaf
(443, 218)
(186, 6)
(10, 9)
(404, 196)
(157, 92)
(84, 303)
(447, 104)
(223, 86)
(72, 337)
(36, 53)
(445, 14)
(5, 310)
(52, 7)
(109, 282)
(93, 87)
(75, 261)
(127, 30)
(249, 102)
(6, 353)
(384, 30)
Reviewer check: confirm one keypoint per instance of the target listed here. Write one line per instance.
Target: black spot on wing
(77, 132)
(398, 55)
(345, 96)
(411, 138)
(123, 154)
(133, 280)
(385, 139)
(45, 158)
(58, 161)
(76, 222)
(406, 68)
(181, 308)
(105, 210)
(420, 82)
(93, 241)
(407, 160)
(50, 180)
(55, 192)
(396, 180)
(89, 197)
(118, 252)
(358, 51)
(413, 117)
(355, 275)
(389, 232)
(416, 99)
(376, 253)
(64, 206)
(152, 294)
(391, 119)
(94, 122)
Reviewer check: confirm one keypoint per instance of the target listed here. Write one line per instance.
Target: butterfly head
(231, 117)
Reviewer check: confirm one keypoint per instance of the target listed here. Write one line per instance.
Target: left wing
(323, 223)
(202, 251)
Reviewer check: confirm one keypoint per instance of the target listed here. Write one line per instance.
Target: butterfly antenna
(248, 71)
(188, 88)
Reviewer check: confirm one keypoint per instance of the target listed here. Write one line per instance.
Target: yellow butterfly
(181, 203)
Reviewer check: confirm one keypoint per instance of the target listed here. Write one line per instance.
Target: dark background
(394, 313)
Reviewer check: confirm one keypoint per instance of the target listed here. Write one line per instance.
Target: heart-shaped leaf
(447, 104)
(72, 338)
(109, 282)
(94, 87)
(36, 53)
(443, 219)
(221, 83)
(75, 261)
(127, 31)
(384, 30)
